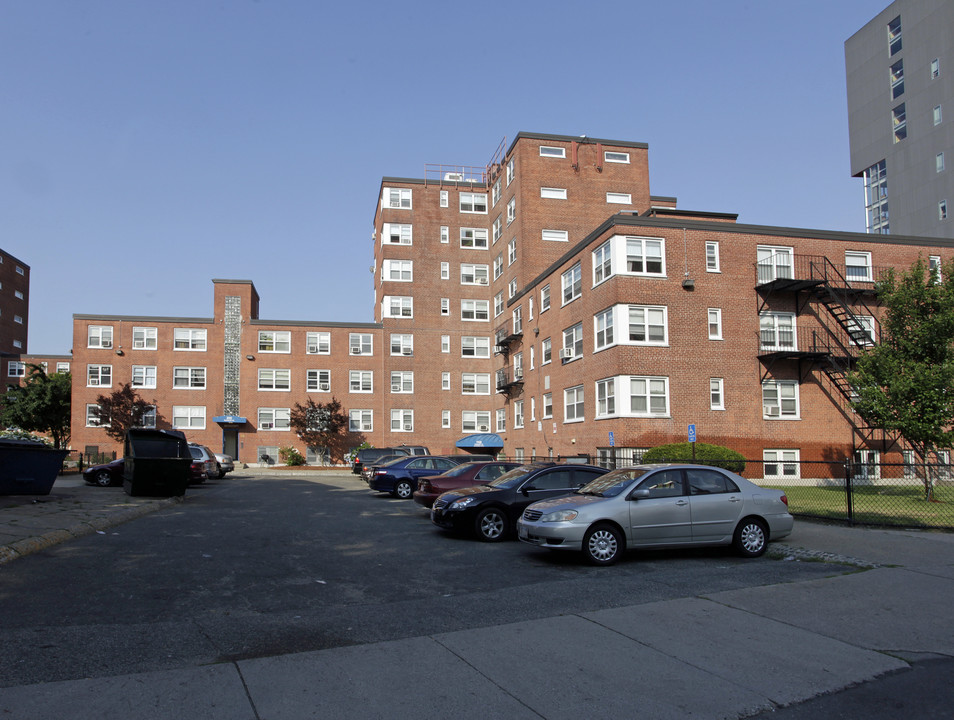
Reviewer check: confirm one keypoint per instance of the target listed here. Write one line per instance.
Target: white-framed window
(20, 271)
(934, 267)
(615, 198)
(611, 156)
(602, 262)
(402, 344)
(518, 414)
(402, 420)
(270, 341)
(774, 263)
(318, 381)
(572, 343)
(715, 323)
(474, 238)
(475, 310)
(17, 343)
(498, 265)
(552, 152)
(445, 234)
(606, 397)
(572, 283)
(780, 399)
(99, 336)
(603, 329)
(144, 376)
(497, 229)
(402, 381)
(445, 306)
(512, 251)
(555, 235)
(716, 394)
(533, 409)
(867, 324)
(471, 274)
(546, 351)
(939, 162)
(942, 210)
(145, 338)
(573, 408)
(777, 331)
(648, 324)
(148, 417)
(858, 266)
(445, 198)
(475, 421)
(189, 378)
(188, 417)
(99, 375)
(445, 381)
(649, 396)
(645, 256)
(899, 123)
(397, 234)
(361, 381)
(318, 343)
(398, 306)
(360, 420)
(501, 425)
(512, 288)
(495, 193)
(397, 198)
(511, 209)
(16, 368)
(935, 69)
(781, 464)
(445, 271)
(511, 172)
(545, 298)
(398, 270)
(938, 115)
(518, 320)
(547, 406)
(189, 339)
(712, 256)
(445, 418)
(475, 383)
(62, 367)
(518, 366)
(473, 202)
(274, 379)
(475, 346)
(360, 344)
(19, 320)
(94, 416)
(553, 193)
(274, 418)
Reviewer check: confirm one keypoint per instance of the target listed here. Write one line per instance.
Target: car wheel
(403, 490)
(218, 473)
(103, 478)
(491, 525)
(602, 545)
(751, 538)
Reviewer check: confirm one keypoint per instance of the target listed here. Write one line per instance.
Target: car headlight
(560, 516)
(462, 503)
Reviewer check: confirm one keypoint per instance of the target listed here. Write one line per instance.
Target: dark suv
(370, 456)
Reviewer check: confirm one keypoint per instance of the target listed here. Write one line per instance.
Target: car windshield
(390, 460)
(514, 477)
(196, 453)
(613, 483)
(459, 470)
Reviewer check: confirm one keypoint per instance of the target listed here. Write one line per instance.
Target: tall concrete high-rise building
(899, 70)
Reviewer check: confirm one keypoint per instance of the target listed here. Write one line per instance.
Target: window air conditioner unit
(408, 427)
(407, 351)
(312, 348)
(324, 386)
(107, 343)
(483, 428)
(566, 353)
(355, 351)
(395, 388)
(454, 176)
(518, 374)
(482, 281)
(267, 426)
(771, 410)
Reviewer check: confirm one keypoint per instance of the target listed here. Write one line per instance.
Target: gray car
(659, 506)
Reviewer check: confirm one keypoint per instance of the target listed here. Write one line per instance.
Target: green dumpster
(157, 463)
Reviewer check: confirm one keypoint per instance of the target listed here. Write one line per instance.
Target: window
(445, 306)
(938, 115)
(398, 306)
(942, 210)
(62, 367)
(552, 152)
(603, 327)
(398, 270)
(445, 343)
(573, 404)
(649, 396)
(546, 351)
(606, 397)
(445, 198)
(780, 399)
(20, 270)
(615, 157)
(773, 263)
(619, 198)
(360, 421)
(474, 274)
(475, 310)
(475, 421)
(445, 418)
(18, 319)
(776, 331)
(781, 464)
(360, 343)
(475, 347)
(934, 266)
(712, 256)
(935, 68)
(501, 420)
(145, 338)
(715, 323)
(94, 417)
(867, 326)
(572, 283)
(498, 265)
(15, 368)
(98, 375)
(511, 174)
(402, 421)
(518, 366)
(497, 229)
(396, 234)
(547, 406)
(553, 193)
(272, 379)
(545, 298)
(475, 238)
(939, 162)
(899, 123)
(518, 414)
(274, 418)
(518, 320)
(645, 256)
(402, 344)
(716, 395)
(511, 209)
(318, 381)
(360, 381)
(495, 193)
(445, 381)
(402, 381)
(99, 336)
(876, 197)
(148, 417)
(18, 295)
(897, 79)
(894, 36)
(512, 288)
(445, 234)
(445, 271)
(473, 202)
(858, 266)
(498, 303)
(602, 262)
(144, 376)
(397, 198)
(572, 343)
(188, 417)
(648, 325)
(475, 383)
(318, 343)
(189, 339)
(274, 342)
(556, 235)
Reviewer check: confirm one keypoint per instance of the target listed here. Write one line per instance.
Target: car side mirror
(640, 495)
(527, 488)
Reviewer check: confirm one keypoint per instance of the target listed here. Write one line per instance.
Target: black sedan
(491, 511)
(105, 475)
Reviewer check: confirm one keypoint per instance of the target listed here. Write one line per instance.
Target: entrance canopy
(230, 421)
(485, 440)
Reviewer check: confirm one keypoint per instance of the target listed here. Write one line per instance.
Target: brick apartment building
(14, 305)
(547, 303)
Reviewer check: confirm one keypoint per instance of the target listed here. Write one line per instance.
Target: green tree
(321, 425)
(41, 404)
(905, 383)
(121, 410)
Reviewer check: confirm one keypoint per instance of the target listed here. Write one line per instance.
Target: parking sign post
(692, 440)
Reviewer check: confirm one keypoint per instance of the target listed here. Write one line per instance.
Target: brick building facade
(14, 305)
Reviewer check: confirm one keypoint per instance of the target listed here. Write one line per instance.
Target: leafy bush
(290, 456)
(714, 455)
(23, 435)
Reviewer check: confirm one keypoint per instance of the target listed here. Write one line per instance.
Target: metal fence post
(848, 470)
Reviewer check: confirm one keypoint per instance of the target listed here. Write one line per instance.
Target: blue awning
(486, 440)
(230, 420)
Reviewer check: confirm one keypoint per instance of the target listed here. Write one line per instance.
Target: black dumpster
(157, 463)
(28, 467)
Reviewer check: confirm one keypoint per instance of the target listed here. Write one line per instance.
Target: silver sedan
(657, 506)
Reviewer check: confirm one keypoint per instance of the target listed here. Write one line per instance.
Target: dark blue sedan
(399, 477)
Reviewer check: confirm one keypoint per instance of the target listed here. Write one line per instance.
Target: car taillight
(784, 498)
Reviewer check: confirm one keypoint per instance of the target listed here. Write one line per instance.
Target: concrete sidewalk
(723, 655)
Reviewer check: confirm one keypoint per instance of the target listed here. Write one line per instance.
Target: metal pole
(848, 493)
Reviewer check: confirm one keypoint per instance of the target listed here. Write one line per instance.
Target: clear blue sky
(149, 147)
